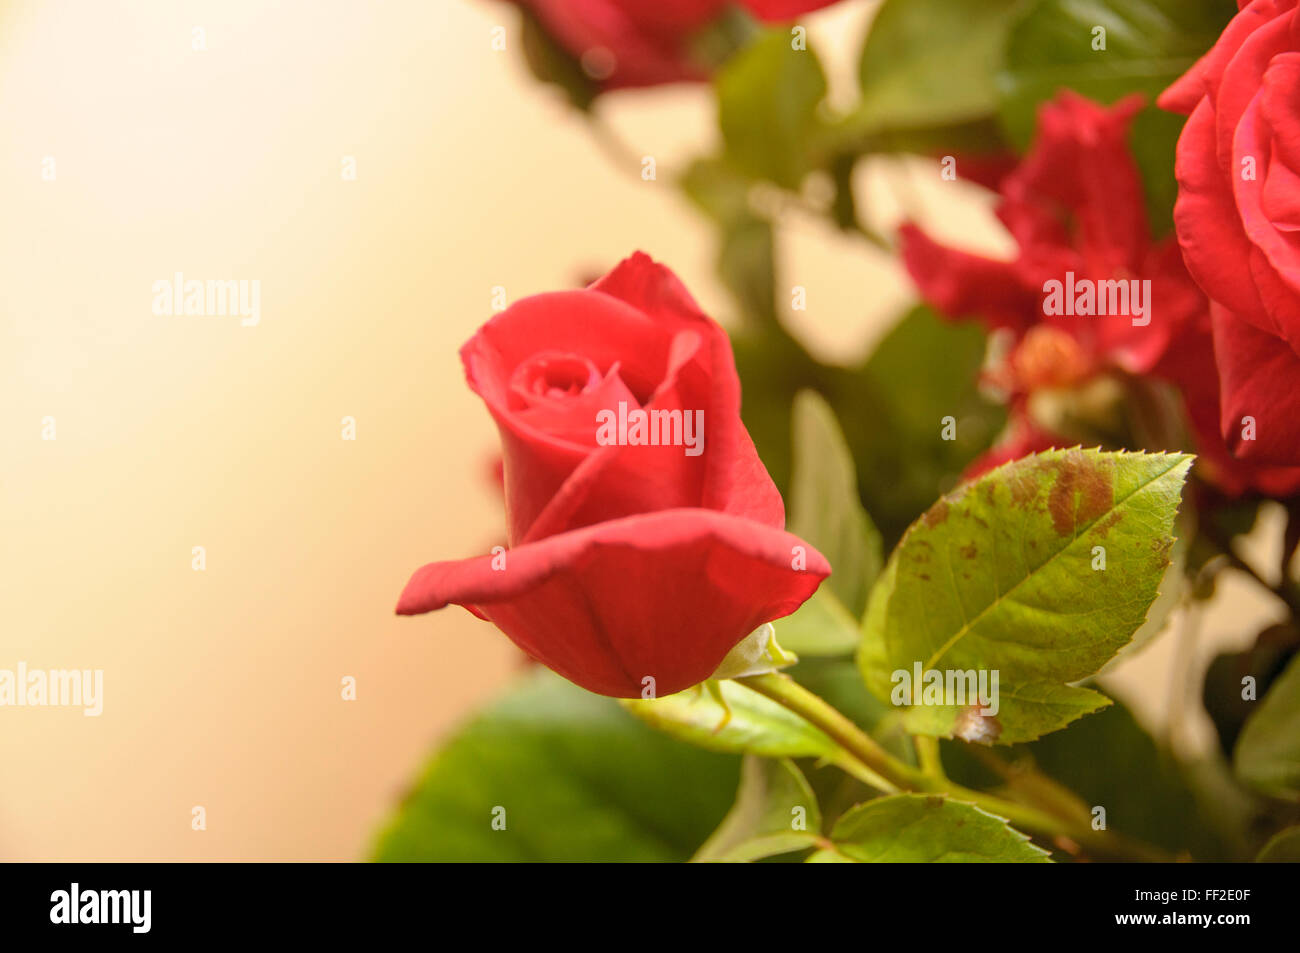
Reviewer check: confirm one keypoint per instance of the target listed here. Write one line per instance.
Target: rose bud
(646, 535)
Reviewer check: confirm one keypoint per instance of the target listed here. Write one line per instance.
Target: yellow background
(222, 687)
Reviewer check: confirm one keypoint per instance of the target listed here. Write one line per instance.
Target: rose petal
(639, 43)
(962, 285)
(1252, 139)
(1081, 160)
(664, 595)
(1203, 78)
(780, 10)
(601, 328)
(1258, 376)
(1209, 229)
(1239, 82)
(729, 477)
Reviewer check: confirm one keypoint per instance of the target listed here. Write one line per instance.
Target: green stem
(861, 747)
(927, 754)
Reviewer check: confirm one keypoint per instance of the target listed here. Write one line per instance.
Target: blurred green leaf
(915, 828)
(577, 777)
(775, 813)
(749, 722)
(824, 505)
(1264, 661)
(929, 62)
(999, 577)
(1267, 756)
(821, 626)
(924, 370)
(1284, 848)
(724, 36)
(1149, 44)
(891, 409)
(768, 96)
(828, 857)
(746, 252)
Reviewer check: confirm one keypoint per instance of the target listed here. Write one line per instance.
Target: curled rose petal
(664, 595)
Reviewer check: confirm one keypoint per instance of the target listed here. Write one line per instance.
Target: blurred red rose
(627, 561)
(1238, 219)
(1075, 205)
(626, 43)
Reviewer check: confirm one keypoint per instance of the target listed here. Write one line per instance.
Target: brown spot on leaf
(1024, 487)
(969, 551)
(1083, 491)
(1111, 519)
(935, 514)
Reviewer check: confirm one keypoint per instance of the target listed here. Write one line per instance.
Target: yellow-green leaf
(1034, 576)
(916, 828)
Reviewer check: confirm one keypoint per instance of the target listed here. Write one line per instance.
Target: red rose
(630, 558)
(1190, 364)
(1075, 206)
(1238, 220)
(623, 43)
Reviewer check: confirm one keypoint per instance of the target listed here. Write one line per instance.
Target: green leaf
(720, 39)
(1284, 848)
(577, 778)
(824, 505)
(775, 813)
(892, 423)
(767, 108)
(820, 627)
(748, 722)
(828, 857)
(746, 252)
(915, 828)
(924, 370)
(1225, 681)
(1149, 44)
(1268, 753)
(999, 577)
(929, 62)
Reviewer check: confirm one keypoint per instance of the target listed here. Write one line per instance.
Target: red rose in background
(1075, 204)
(627, 561)
(1238, 219)
(623, 43)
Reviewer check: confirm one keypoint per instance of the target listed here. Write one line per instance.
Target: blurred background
(214, 139)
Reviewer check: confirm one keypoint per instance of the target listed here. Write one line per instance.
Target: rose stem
(788, 693)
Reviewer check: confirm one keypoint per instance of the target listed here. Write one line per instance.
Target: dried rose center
(555, 376)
